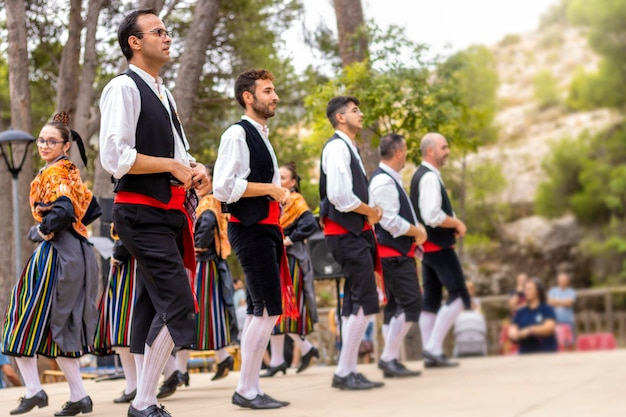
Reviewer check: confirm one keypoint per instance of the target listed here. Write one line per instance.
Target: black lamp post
(9, 139)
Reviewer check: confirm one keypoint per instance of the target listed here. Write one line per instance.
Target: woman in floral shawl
(52, 310)
(298, 224)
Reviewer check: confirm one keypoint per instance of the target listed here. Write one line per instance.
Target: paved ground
(564, 384)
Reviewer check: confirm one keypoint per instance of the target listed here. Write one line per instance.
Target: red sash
(177, 202)
(290, 306)
(389, 252)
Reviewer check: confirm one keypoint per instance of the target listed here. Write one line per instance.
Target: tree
(20, 119)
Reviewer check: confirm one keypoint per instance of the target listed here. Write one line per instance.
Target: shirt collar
(347, 139)
(149, 79)
(263, 129)
(394, 174)
(432, 168)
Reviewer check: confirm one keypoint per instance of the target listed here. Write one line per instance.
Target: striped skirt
(26, 329)
(116, 307)
(303, 325)
(212, 322)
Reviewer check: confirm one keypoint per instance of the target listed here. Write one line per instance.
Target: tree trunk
(353, 43)
(20, 119)
(67, 85)
(354, 47)
(193, 58)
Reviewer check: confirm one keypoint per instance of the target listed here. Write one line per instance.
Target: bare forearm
(544, 329)
(450, 223)
(145, 164)
(364, 209)
(258, 189)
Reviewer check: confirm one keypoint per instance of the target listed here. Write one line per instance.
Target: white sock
(128, 365)
(71, 370)
(353, 333)
(446, 317)
(302, 342)
(221, 355)
(139, 357)
(30, 374)
(426, 323)
(254, 342)
(155, 357)
(385, 331)
(170, 367)
(277, 349)
(398, 328)
(182, 357)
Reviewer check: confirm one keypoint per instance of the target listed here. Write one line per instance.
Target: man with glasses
(144, 148)
(348, 222)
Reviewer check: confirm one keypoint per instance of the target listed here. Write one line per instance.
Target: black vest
(401, 243)
(154, 137)
(440, 236)
(251, 210)
(351, 221)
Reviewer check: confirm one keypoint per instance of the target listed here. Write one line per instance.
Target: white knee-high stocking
(353, 332)
(446, 317)
(277, 350)
(303, 344)
(30, 374)
(130, 370)
(398, 328)
(71, 370)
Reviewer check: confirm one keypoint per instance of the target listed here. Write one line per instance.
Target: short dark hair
(129, 28)
(209, 169)
(247, 82)
(336, 104)
(389, 145)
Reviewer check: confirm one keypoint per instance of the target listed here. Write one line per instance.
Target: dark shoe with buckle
(273, 370)
(260, 402)
(437, 361)
(72, 408)
(169, 386)
(223, 368)
(125, 398)
(152, 411)
(26, 404)
(350, 382)
(394, 369)
(306, 359)
(362, 378)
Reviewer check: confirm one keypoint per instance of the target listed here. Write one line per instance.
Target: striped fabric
(212, 322)
(302, 325)
(116, 307)
(26, 329)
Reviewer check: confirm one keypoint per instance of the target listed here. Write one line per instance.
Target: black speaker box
(324, 265)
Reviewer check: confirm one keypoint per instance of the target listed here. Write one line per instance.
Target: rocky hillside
(527, 129)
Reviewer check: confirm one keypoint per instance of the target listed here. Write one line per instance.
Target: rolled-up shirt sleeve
(430, 200)
(385, 195)
(336, 166)
(120, 105)
(232, 166)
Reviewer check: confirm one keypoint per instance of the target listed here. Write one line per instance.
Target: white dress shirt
(233, 162)
(336, 166)
(430, 197)
(120, 106)
(385, 194)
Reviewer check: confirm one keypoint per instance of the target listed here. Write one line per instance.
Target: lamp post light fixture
(9, 139)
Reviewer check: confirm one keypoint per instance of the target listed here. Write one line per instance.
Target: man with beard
(247, 179)
(440, 265)
(348, 221)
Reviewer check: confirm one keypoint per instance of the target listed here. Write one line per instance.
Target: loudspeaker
(324, 265)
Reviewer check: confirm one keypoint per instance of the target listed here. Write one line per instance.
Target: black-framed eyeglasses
(161, 33)
(50, 143)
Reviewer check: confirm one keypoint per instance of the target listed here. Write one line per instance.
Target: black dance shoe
(260, 402)
(273, 370)
(26, 404)
(394, 369)
(437, 361)
(362, 378)
(351, 382)
(306, 359)
(168, 387)
(71, 409)
(152, 411)
(125, 398)
(223, 368)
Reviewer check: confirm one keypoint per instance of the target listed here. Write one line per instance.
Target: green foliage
(587, 177)
(510, 40)
(546, 89)
(605, 22)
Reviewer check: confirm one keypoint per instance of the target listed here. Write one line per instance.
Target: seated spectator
(518, 299)
(534, 325)
(7, 373)
(240, 303)
(562, 298)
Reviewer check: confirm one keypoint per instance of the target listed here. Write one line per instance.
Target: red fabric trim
(272, 218)
(431, 247)
(332, 228)
(389, 252)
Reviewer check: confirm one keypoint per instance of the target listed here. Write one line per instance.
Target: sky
(446, 25)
